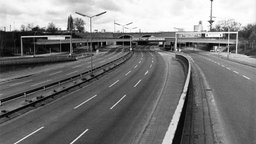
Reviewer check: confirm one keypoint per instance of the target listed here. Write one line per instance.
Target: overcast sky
(147, 15)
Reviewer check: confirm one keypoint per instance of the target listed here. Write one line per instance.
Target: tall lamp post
(90, 17)
(124, 27)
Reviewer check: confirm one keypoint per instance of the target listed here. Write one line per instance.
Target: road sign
(56, 37)
(213, 34)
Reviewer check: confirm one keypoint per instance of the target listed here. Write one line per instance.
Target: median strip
(79, 136)
(28, 135)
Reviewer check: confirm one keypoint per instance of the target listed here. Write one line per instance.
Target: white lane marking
(137, 83)
(139, 61)
(146, 72)
(150, 66)
(222, 65)
(40, 83)
(127, 73)
(135, 66)
(77, 66)
(55, 73)
(118, 102)
(113, 83)
(85, 102)
(79, 136)
(152, 61)
(236, 72)
(18, 83)
(228, 68)
(29, 135)
(246, 77)
(72, 73)
(218, 63)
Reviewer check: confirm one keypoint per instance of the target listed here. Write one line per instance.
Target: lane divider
(127, 73)
(28, 135)
(135, 66)
(137, 83)
(118, 102)
(246, 77)
(55, 73)
(40, 83)
(113, 83)
(85, 102)
(79, 136)
(18, 83)
(146, 72)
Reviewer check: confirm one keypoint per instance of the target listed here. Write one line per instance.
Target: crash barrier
(174, 131)
(85, 77)
(35, 60)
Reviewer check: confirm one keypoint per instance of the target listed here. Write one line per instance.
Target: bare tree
(226, 25)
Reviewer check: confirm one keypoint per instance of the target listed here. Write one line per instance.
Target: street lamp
(90, 17)
(124, 27)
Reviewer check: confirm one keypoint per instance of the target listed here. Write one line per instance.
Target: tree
(70, 26)
(52, 28)
(79, 24)
(29, 27)
(23, 28)
(226, 25)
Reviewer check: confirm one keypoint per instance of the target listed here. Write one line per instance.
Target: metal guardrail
(173, 126)
(61, 81)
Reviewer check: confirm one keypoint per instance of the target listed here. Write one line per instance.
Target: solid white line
(246, 77)
(29, 135)
(146, 72)
(55, 73)
(127, 73)
(77, 66)
(137, 83)
(72, 73)
(118, 102)
(85, 102)
(40, 83)
(236, 72)
(150, 66)
(135, 66)
(79, 136)
(114, 83)
(18, 83)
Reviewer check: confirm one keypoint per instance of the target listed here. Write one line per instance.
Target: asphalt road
(52, 75)
(111, 110)
(234, 89)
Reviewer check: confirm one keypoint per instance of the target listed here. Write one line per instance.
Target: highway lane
(57, 74)
(234, 88)
(110, 110)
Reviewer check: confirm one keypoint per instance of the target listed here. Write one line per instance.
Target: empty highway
(114, 109)
(234, 89)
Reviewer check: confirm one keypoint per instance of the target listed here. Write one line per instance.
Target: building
(199, 27)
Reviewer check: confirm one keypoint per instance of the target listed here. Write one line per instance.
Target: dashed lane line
(79, 136)
(113, 83)
(236, 72)
(85, 102)
(40, 83)
(28, 135)
(139, 61)
(55, 73)
(117, 102)
(228, 68)
(72, 73)
(18, 83)
(127, 73)
(137, 83)
(135, 66)
(77, 66)
(146, 72)
(150, 66)
(246, 77)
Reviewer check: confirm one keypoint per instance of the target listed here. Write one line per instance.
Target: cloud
(108, 5)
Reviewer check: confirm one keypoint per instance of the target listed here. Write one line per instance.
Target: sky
(146, 15)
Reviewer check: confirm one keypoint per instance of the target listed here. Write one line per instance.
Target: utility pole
(211, 20)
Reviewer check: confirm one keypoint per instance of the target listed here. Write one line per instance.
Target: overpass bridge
(166, 38)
